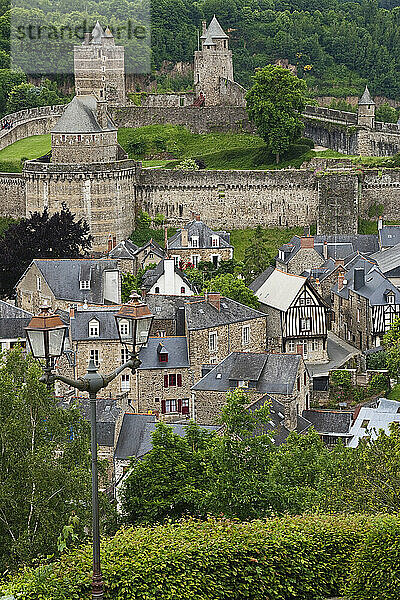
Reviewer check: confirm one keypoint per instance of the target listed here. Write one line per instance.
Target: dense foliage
(308, 557)
(40, 236)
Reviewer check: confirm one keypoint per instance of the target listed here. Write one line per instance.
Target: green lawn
(394, 393)
(241, 238)
(31, 147)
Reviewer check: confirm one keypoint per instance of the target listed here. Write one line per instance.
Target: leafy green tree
(27, 95)
(391, 341)
(274, 104)
(386, 113)
(232, 287)
(257, 256)
(133, 283)
(44, 467)
(40, 236)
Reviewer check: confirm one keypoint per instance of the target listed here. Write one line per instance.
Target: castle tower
(99, 66)
(84, 133)
(366, 110)
(212, 63)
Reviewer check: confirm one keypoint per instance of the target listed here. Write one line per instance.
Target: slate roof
(151, 277)
(63, 277)
(329, 422)
(97, 34)
(338, 246)
(107, 415)
(388, 260)
(166, 307)
(136, 431)
(13, 320)
(278, 374)
(376, 284)
(79, 324)
(279, 290)
(125, 249)
(215, 30)
(389, 235)
(366, 97)
(176, 348)
(80, 116)
(9, 311)
(203, 315)
(276, 422)
(204, 233)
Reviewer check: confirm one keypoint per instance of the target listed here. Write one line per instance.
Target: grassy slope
(31, 147)
(241, 238)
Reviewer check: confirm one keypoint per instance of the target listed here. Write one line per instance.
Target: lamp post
(46, 335)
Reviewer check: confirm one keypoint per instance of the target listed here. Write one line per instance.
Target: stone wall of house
(229, 339)
(166, 325)
(84, 148)
(149, 391)
(205, 254)
(305, 258)
(231, 92)
(102, 194)
(284, 198)
(29, 297)
(12, 193)
(352, 320)
(205, 119)
(208, 404)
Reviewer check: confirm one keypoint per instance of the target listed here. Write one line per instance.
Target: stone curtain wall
(12, 195)
(380, 189)
(230, 199)
(336, 136)
(35, 121)
(198, 120)
(337, 203)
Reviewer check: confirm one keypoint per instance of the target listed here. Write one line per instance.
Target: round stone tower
(366, 110)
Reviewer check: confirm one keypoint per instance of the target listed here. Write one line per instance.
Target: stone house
(365, 304)
(197, 242)
(331, 425)
(282, 376)
(216, 326)
(13, 321)
(308, 252)
(388, 262)
(131, 258)
(167, 279)
(297, 316)
(388, 235)
(62, 282)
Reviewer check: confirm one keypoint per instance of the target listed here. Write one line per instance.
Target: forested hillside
(336, 45)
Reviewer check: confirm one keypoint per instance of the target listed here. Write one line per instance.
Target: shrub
(376, 565)
(305, 557)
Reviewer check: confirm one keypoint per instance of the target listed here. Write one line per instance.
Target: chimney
(359, 278)
(307, 231)
(214, 298)
(317, 285)
(195, 216)
(204, 27)
(102, 113)
(380, 223)
(184, 238)
(72, 312)
(306, 242)
(340, 280)
(86, 39)
(325, 250)
(339, 262)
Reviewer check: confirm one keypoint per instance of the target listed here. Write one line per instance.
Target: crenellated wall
(25, 123)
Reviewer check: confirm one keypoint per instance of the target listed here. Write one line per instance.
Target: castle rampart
(25, 123)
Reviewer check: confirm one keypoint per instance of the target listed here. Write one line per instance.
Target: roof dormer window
(85, 285)
(390, 298)
(215, 241)
(94, 328)
(162, 354)
(194, 241)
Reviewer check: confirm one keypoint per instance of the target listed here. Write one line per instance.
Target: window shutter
(185, 409)
(165, 380)
(179, 406)
(163, 407)
(179, 380)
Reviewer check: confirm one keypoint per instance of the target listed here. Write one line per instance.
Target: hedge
(305, 557)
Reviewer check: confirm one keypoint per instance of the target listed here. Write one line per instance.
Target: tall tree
(44, 466)
(257, 256)
(40, 236)
(232, 287)
(274, 104)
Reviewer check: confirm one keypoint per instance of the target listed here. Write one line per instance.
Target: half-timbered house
(297, 316)
(365, 304)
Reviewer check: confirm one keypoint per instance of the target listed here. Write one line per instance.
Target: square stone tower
(99, 66)
(212, 63)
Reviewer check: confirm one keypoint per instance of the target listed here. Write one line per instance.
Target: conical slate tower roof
(366, 97)
(215, 30)
(108, 33)
(80, 116)
(97, 33)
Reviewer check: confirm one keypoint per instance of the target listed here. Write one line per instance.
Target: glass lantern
(134, 321)
(46, 334)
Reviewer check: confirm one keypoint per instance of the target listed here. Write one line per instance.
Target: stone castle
(90, 172)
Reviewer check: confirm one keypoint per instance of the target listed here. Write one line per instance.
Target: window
(314, 345)
(215, 241)
(38, 284)
(390, 298)
(185, 406)
(183, 290)
(212, 341)
(172, 380)
(215, 260)
(124, 328)
(161, 333)
(302, 301)
(79, 138)
(305, 324)
(151, 255)
(85, 285)
(181, 101)
(94, 355)
(305, 349)
(243, 384)
(94, 328)
(170, 406)
(358, 315)
(124, 355)
(291, 347)
(177, 260)
(365, 424)
(245, 335)
(308, 301)
(298, 384)
(305, 378)
(194, 241)
(158, 308)
(125, 383)
(195, 260)
(163, 357)
(157, 291)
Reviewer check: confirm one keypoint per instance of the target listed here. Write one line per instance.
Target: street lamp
(46, 335)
